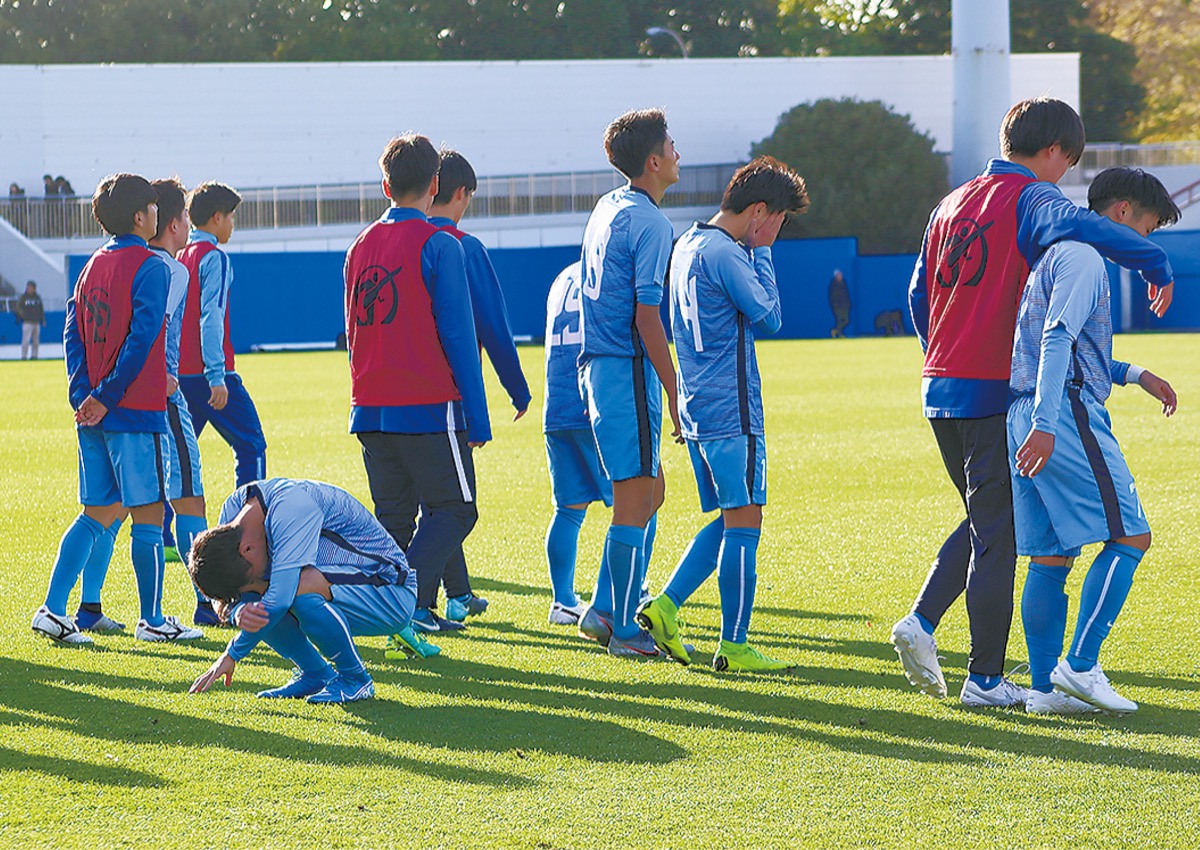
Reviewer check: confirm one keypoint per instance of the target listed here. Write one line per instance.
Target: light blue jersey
(564, 407)
(310, 523)
(626, 247)
(721, 296)
(1064, 332)
(176, 303)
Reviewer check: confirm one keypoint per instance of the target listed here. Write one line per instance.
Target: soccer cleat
(204, 615)
(743, 658)
(409, 643)
(427, 620)
(1006, 694)
(458, 608)
(918, 654)
(171, 555)
(301, 685)
(170, 630)
(1056, 702)
(640, 646)
(596, 625)
(341, 689)
(658, 618)
(61, 630)
(89, 621)
(1091, 686)
(566, 615)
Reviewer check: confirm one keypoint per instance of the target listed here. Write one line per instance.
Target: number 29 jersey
(719, 292)
(564, 408)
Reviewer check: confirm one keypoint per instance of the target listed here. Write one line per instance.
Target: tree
(870, 173)
(1110, 99)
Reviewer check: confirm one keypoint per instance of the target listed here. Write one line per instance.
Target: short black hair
(409, 163)
(171, 201)
(631, 138)
(118, 198)
(216, 563)
(768, 180)
(1145, 191)
(1037, 123)
(454, 173)
(210, 198)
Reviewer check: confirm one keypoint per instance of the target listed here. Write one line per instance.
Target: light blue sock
(74, 550)
(146, 551)
(325, 627)
(737, 578)
(602, 598)
(286, 638)
(186, 529)
(623, 551)
(647, 551)
(562, 548)
(699, 561)
(1105, 588)
(96, 568)
(1044, 614)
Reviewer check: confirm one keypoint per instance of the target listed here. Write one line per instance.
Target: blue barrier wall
(297, 297)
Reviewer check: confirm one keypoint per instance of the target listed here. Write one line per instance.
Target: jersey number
(568, 316)
(689, 305)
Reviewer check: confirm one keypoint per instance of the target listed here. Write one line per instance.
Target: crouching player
(723, 293)
(297, 563)
(1071, 485)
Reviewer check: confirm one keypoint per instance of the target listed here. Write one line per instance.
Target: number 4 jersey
(721, 296)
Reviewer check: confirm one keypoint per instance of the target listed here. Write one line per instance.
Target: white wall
(295, 123)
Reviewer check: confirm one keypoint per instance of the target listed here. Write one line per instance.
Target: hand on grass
(222, 668)
(1034, 453)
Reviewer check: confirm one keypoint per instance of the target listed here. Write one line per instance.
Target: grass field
(523, 735)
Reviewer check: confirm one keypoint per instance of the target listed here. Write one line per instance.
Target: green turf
(522, 735)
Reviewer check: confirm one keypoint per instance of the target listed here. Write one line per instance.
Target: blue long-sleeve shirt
(1044, 216)
(443, 271)
(491, 317)
(148, 297)
(216, 276)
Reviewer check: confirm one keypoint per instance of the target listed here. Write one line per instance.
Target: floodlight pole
(979, 43)
(653, 31)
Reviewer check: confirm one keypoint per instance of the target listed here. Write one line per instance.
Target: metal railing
(1188, 195)
(358, 203)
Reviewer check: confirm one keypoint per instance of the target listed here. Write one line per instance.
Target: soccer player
(978, 247)
(456, 187)
(576, 479)
(1071, 484)
(185, 485)
(296, 563)
(214, 391)
(723, 295)
(624, 363)
(114, 342)
(417, 398)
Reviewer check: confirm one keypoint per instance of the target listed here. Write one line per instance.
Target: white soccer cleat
(170, 630)
(566, 615)
(1091, 686)
(1006, 694)
(918, 653)
(61, 630)
(1056, 702)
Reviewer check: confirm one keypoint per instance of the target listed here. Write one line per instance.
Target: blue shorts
(118, 466)
(372, 609)
(730, 473)
(575, 474)
(624, 398)
(1085, 493)
(185, 480)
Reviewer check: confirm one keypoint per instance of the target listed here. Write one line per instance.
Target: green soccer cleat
(658, 618)
(743, 658)
(409, 643)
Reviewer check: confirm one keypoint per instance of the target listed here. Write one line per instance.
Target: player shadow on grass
(47, 698)
(500, 586)
(16, 761)
(728, 707)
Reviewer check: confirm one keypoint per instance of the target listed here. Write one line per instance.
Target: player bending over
(299, 563)
(1071, 485)
(723, 293)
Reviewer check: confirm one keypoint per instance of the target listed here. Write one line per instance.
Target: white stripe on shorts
(458, 464)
